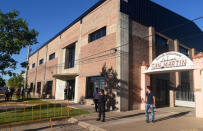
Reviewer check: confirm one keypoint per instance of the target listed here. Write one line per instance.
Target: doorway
(160, 88)
(49, 89)
(69, 92)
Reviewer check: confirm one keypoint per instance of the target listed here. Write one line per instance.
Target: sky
(49, 17)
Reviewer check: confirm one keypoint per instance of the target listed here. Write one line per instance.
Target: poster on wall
(59, 95)
(170, 61)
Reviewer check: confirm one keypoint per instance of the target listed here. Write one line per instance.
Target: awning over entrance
(170, 62)
(65, 76)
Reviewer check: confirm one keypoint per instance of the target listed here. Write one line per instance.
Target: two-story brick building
(122, 34)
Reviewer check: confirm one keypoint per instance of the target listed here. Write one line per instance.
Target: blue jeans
(146, 111)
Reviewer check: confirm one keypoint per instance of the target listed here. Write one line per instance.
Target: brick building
(123, 34)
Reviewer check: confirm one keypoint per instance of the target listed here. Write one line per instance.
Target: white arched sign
(170, 61)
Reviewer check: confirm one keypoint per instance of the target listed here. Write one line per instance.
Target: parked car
(3, 89)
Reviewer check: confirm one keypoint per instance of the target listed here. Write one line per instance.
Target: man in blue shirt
(150, 103)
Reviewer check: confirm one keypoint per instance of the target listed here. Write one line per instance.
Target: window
(49, 88)
(33, 65)
(92, 84)
(183, 51)
(52, 56)
(97, 34)
(161, 45)
(70, 56)
(41, 61)
(38, 87)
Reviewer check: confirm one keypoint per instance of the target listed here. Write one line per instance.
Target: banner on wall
(170, 62)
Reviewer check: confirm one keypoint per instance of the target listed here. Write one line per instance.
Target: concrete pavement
(167, 119)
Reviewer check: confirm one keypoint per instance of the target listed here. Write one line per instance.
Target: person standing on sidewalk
(96, 98)
(150, 103)
(101, 105)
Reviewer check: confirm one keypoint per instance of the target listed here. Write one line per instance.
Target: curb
(86, 125)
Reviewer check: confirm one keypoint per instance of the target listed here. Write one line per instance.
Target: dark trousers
(101, 110)
(96, 104)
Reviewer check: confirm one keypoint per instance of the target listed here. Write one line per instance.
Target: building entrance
(167, 63)
(69, 92)
(160, 88)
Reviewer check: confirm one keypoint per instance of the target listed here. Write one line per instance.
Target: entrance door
(70, 90)
(49, 88)
(162, 93)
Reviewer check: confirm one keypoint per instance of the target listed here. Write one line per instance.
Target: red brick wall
(104, 15)
(139, 52)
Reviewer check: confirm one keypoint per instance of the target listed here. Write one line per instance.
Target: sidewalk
(167, 119)
(89, 108)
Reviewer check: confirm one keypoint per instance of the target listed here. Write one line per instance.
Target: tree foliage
(14, 35)
(2, 82)
(24, 64)
(15, 81)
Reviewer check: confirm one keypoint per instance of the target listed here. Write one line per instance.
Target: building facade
(121, 34)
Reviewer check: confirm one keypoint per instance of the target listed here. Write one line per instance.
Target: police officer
(101, 105)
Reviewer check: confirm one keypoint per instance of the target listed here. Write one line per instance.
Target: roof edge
(72, 23)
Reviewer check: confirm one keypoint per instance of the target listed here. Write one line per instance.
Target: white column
(145, 81)
(198, 88)
(76, 99)
(60, 86)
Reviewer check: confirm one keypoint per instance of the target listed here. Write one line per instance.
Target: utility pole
(25, 83)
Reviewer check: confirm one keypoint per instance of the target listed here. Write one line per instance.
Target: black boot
(103, 120)
(98, 119)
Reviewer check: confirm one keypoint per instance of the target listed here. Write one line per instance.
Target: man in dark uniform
(101, 105)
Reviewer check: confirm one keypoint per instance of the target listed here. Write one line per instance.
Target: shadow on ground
(173, 116)
(48, 127)
(117, 118)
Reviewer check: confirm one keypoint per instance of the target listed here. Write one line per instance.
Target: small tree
(15, 81)
(111, 79)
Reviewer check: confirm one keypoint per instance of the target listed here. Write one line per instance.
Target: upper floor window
(41, 61)
(52, 56)
(70, 56)
(183, 51)
(33, 65)
(97, 34)
(161, 45)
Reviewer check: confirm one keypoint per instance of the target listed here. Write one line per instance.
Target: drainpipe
(45, 67)
(36, 72)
